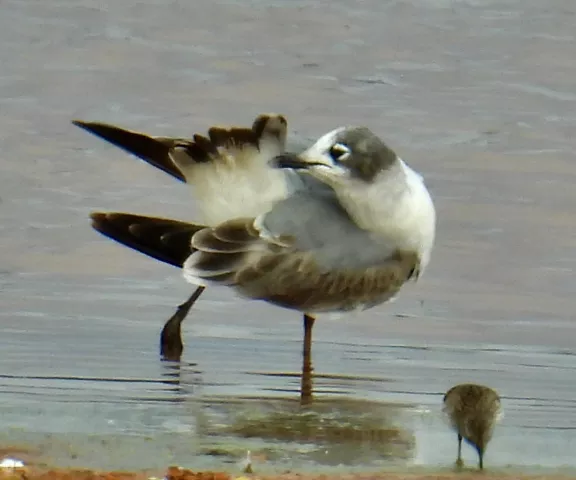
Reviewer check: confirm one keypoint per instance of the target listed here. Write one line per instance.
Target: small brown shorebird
(473, 411)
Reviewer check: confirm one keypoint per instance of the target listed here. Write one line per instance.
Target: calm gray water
(477, 95)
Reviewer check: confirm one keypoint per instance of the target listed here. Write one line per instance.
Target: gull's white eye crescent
(339, 152)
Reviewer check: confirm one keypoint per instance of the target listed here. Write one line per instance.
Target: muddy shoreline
(35, 467)
(178, 473)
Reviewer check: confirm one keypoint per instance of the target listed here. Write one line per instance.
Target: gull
(473, 411)
(338, 227)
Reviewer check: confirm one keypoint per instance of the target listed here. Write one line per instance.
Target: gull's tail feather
(229, 167)
(153, 150)
(166, 240)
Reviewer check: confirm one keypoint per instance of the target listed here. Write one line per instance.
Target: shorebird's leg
(306, 386)
(171, 345)
(481, 458)
(459, 461)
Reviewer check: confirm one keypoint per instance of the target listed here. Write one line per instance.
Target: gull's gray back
(313, 216)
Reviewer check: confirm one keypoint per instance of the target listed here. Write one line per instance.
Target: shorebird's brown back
(473, 411)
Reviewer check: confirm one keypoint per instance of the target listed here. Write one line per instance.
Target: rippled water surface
(477, 95)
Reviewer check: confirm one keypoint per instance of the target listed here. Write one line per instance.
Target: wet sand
(477, 95)
(175, 473)
(34, 470)
(179, 473)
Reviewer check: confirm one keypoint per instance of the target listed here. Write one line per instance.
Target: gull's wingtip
(82, 124)
(97, 128)
(99, 221)
(153, 150)
(97, 216)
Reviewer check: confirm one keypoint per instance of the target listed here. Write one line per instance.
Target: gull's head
(344, 154)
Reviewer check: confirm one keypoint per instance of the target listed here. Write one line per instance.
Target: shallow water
(477, 95)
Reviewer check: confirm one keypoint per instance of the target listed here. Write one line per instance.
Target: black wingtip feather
(147, 148)
(168, 241)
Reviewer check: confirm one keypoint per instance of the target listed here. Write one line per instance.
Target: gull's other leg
(171, 345)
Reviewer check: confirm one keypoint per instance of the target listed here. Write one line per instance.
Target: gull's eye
(339, 152)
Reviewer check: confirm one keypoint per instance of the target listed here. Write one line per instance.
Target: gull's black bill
(291, 160)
